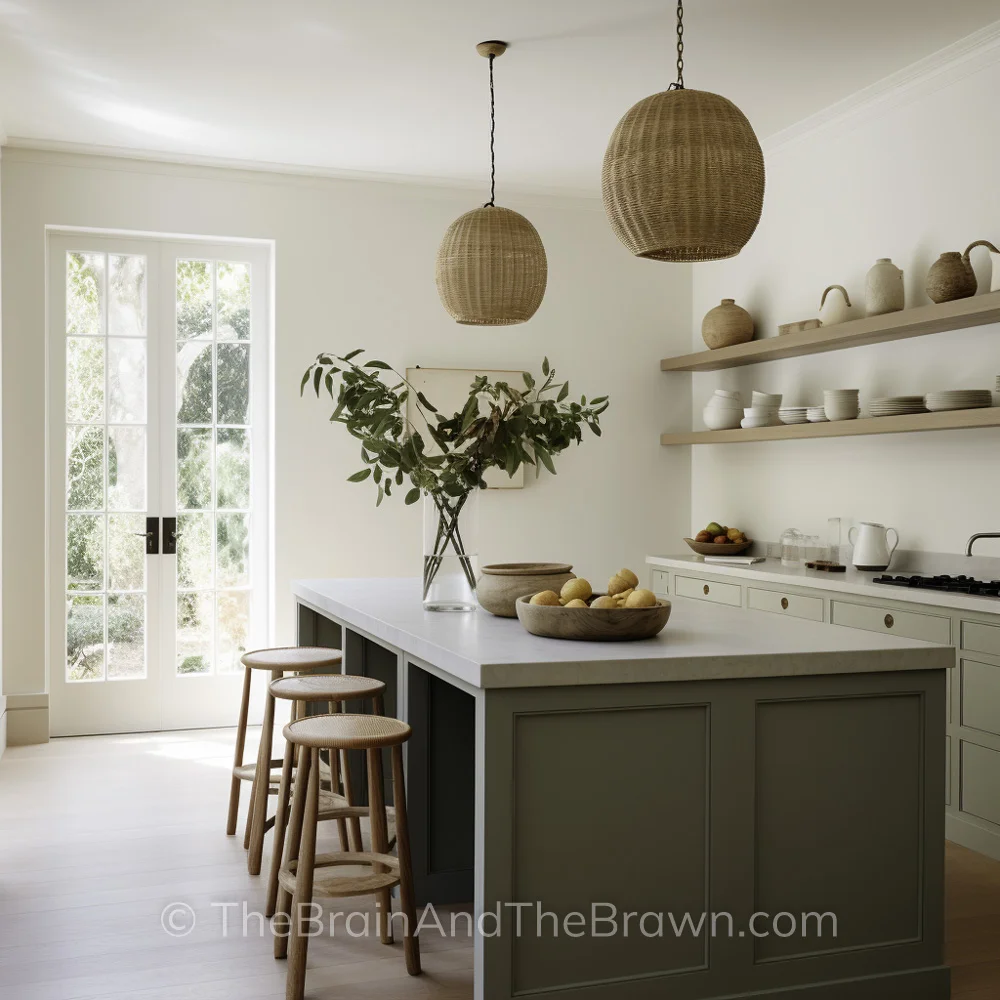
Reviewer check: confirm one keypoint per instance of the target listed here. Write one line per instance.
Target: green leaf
(399, 477)
(545, 366)
(598, 399)
(329, 383)
(412, 496)
(359, 477)
(425, 402)
(381, 497)
(317, 379)
(563, 392)
(377, 476)
(305, 381)
(545, 458)
(595, 427)
(378, 364)
(353, 354)
(529, 380)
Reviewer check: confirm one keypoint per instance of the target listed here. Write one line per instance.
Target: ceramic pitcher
(871, 545)
(883, 288)
(834, 309)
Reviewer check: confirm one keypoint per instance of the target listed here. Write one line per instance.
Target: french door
(158, 472)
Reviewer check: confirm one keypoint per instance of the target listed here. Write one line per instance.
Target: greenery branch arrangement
(500, 426)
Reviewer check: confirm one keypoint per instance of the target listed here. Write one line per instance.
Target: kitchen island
(742, 806)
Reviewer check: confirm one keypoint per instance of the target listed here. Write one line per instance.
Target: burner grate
(947, 584)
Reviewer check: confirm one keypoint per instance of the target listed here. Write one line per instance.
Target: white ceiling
(396, 87)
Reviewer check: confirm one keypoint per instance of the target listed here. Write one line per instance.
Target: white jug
(835, 309)
(871, 548)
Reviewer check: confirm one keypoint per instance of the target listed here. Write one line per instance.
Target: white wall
(355, 269)
(907, 177)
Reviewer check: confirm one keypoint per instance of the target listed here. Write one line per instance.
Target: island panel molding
(961, 314)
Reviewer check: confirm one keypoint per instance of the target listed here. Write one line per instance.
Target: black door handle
(170, 536)
(152, 535)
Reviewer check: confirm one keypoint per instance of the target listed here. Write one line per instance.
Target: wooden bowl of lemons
(625, 613)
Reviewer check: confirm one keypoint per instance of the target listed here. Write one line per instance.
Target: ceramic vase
(884, 288)
(952, 276)
(834, 309)
(727, 324)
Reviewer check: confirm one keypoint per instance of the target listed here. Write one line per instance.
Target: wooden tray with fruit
(718, 540)
(626, 612)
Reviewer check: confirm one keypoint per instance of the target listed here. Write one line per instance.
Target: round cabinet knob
(705, 588)
(889, 621)
(784, 604)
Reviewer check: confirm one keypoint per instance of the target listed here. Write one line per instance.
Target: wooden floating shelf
(961, 314)
(949, 420)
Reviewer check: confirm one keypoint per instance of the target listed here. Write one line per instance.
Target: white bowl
(720, 420)
(727, 394)
(718, 403)
(766, 398)
(841, 412)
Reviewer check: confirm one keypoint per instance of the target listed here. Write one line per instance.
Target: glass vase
(451, 551)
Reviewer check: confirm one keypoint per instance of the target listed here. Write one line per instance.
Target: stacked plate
(816, 414)
(958, 399)
(895, 406)
(794, 414)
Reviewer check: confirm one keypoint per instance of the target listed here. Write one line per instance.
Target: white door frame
(159, 706)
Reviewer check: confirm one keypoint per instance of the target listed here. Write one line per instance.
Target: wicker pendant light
(491, 268)
(683, 176)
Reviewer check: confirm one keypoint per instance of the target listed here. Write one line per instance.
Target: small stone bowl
(502, 584)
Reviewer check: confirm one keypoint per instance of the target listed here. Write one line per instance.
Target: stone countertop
(701, 642)
(851, 582)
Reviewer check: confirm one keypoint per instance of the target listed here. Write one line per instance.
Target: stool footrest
(246, 772)
(329, 884)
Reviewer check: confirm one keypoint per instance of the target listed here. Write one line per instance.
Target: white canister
(884, 288)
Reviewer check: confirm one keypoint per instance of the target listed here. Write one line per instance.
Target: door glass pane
(127, 298)
(85, 468)
(233, 383)
(126, 468)
(232, 533)
(194, 632)
(126, 381)
(194, 551)
(84, 380)
(105, 466)
(126, 552)
(85, 295)
(232, 621)
(194, 383)
(85, 552)
(126, 636)
(194, 468)
(232, 455)
(233, 302)
(194, 299)
(85, 637)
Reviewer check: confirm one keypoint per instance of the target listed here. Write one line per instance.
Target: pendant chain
(679, 85)
(493, 131)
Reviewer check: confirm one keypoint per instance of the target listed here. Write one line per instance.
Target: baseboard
(968, 834)
(27, 719)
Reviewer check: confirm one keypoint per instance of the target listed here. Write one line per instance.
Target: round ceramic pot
(883, 288)
(502, 584)
(726, 324)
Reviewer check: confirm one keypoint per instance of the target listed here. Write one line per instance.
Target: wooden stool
(334, 689)
(297, 877)
(297, 658)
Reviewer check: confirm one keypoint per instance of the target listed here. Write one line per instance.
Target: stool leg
(295, 983)
(248, 823)
(355, 822)
(284, 904)
(411, 945)
(263, 783)
(241, 736)
(335, 788)
(376, 817)
(280, 822)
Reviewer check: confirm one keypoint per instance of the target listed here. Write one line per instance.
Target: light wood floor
(98, 835)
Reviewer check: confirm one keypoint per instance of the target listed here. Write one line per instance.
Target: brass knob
(784, 604)
(706, 588)
(889, 621)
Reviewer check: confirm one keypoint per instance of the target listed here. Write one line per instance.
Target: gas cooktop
(951, 584)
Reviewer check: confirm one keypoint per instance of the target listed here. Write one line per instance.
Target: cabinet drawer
(980, 782)
(706, 590)
(785, 604)
(930, 628)
(981, 638)
(659, 582)
(980, 706)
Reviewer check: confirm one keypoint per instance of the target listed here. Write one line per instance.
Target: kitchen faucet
(977, 536)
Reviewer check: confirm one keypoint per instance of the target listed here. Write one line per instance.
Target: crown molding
(940, 69)
(53, 149)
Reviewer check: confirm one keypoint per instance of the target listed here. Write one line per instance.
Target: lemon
(576, 590)
(547, 597)
(605, 602)
(641, 599)
(576, 603)
(617, 585)
(629, 577)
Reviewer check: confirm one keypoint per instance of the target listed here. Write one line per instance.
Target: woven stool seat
(347, 732)
(292, 658)
(326, 687)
